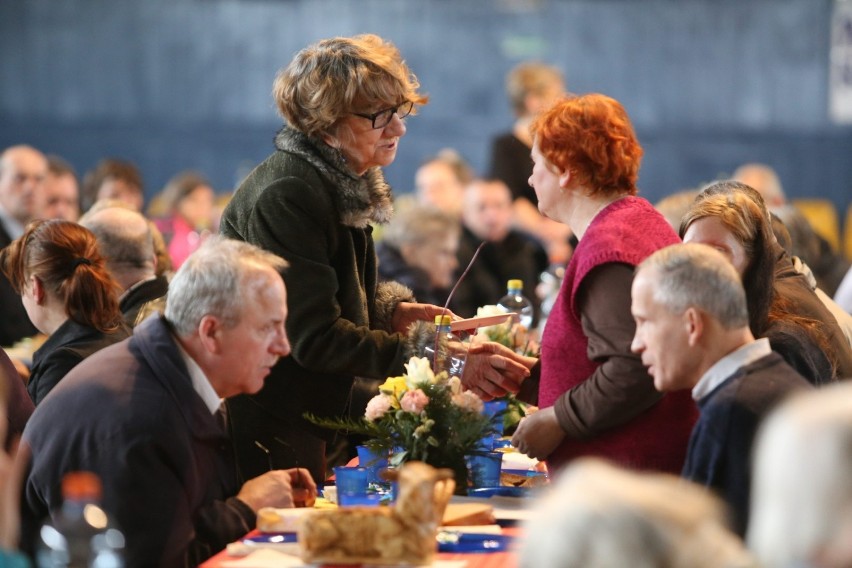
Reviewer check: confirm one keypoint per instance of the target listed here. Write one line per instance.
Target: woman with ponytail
(61, 276)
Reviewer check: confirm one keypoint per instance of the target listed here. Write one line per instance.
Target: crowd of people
(180, 365)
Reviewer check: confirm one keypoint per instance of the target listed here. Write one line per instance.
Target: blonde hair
(337, 76)
(530, 78)
(419, 225)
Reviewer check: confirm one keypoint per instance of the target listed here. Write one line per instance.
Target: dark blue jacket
(130, 415)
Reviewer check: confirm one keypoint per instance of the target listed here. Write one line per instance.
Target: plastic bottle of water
(515, 301)
(446, 362)
(80, 535)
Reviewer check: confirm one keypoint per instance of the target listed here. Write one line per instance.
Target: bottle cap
(515, 284)
(79, 485)
(443, 320)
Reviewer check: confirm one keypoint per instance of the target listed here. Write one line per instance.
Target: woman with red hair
(596, 397)
(68, 294)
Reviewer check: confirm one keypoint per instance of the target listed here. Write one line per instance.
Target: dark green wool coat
(305, 205)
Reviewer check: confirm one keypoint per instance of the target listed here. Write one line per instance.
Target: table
(506, 559)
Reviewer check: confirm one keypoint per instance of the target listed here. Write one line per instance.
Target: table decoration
(422, 416)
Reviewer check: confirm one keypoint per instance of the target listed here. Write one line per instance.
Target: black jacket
(63, 350)
(164, 461)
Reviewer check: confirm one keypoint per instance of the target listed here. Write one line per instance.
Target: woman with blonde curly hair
(69, 295)
(595, 395)
(312, 201)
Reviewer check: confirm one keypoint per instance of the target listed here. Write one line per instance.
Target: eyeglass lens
(384, 117)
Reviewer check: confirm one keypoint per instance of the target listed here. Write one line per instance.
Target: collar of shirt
(200, 382)
(12, 226)
(728, 365)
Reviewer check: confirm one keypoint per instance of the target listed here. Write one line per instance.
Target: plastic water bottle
(452, 365)
(515, 301)
(80, 535)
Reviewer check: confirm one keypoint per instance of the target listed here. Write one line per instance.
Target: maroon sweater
(625, 232)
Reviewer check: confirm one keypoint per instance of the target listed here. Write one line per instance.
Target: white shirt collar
(728, 365)
(200, 382)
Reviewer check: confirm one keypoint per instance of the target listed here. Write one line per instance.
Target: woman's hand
(492, 370)
(477, 347)
(406, 313)
(538, 434)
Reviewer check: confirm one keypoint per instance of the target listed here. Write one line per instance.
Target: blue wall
(172, 84)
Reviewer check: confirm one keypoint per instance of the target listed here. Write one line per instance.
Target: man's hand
(538, 434)
(492, 370)
(406, 313)
(275, 488)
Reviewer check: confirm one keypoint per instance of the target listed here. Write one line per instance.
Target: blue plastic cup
(374, 462)
(495, 410)
(351, 485)
(485, 469)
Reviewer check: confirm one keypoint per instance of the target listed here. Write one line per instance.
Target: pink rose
(377, 407)
(414, 401)
(468, 401)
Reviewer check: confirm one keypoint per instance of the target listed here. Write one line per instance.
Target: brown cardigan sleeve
(620, 388)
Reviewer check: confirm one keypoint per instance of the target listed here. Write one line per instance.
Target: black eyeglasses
(383, 117)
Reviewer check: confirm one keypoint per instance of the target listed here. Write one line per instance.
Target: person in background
(440, 180)
(532, 88)
(113, 179)
(61, 195)
(125, 240)
(828, 265)
(599, 516)
(152, 427)
(312, 201)
(19, 405)
(801, 500)
(692, 333)
(732, 218)
(507, 253)
(188, 203)
(59, 272)
(595, 395)
(844, 318)
(23, 170)
(418, 250)
(11, 477)
(843, 297)
(673, 207)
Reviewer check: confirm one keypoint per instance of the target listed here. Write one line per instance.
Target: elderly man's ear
(210, 334)
(693, 321)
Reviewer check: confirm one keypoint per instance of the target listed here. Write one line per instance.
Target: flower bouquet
(422, 416)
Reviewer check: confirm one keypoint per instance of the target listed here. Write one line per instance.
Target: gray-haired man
(692, 333)
(142, 414)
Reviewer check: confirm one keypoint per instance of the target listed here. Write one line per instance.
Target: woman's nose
(396, 127)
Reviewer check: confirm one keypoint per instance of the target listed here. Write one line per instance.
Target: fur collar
(359, 200)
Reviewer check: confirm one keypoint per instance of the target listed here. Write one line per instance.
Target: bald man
(125, 239)
(23, 170)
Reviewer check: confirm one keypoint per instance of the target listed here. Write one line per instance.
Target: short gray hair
(213, 281)
(801, 488)
(695, 275)
(597, 515)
